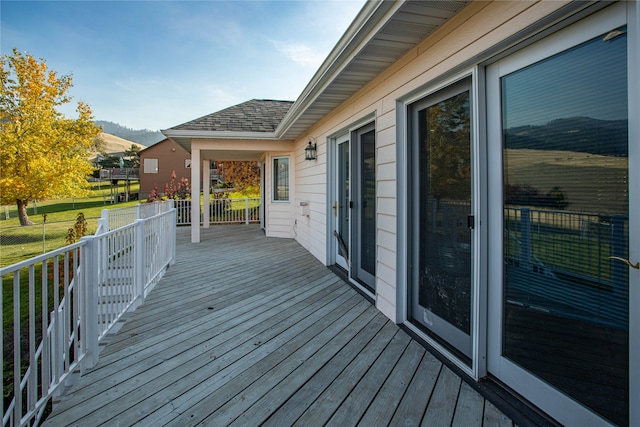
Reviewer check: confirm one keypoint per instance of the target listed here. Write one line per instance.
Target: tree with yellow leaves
(43, 154)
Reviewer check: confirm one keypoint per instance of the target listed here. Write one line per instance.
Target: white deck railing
(64, 302)
(223, 211)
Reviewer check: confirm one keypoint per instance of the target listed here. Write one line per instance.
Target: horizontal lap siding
(474, 30)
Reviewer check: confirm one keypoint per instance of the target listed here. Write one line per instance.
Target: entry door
(560, 221)
(341, 234)
(442, 222)
(363, 229)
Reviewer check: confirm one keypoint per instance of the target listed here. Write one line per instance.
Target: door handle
(335, 208)
(626, 261)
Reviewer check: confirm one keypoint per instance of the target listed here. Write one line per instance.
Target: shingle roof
(257, 115)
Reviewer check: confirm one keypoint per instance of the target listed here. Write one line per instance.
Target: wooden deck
(250, 330)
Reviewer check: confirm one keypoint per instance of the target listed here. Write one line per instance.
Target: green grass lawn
(19, 243)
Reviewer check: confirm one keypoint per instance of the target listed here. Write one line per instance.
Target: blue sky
(156, 64)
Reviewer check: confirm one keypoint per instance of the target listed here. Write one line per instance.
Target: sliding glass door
(442, 221)
(559, 290)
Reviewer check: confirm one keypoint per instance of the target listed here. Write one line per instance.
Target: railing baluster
(56, 321)
(17, 375)
(45, 357)
(2, 344)
(32, 385)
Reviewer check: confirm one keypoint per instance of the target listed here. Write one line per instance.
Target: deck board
(249, 330)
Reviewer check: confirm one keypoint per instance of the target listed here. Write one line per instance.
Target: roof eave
(361, 30)
(184, 137)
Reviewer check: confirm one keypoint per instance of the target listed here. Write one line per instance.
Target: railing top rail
(124, 227)
(40, 258)
(563, 212)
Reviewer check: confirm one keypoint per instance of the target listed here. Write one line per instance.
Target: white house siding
(474, 30)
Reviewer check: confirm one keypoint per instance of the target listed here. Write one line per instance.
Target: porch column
(206, 183)
(195, 195)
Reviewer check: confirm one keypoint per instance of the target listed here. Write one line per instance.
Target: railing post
(174, 223)
(105, 218)
(138, 211)
(139, 261)
(618, 249)
(246, 210)
(89, 319)
(525, 238)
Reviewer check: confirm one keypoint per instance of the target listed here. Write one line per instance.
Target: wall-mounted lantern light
(310, 151)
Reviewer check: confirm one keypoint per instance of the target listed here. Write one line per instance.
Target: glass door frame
(437, 324)
(477, 369)
(335, 203)
(552, 401)
(344, 135)
(357, 195)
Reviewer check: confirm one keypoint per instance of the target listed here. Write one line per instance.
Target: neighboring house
(477, 175)
(157, 163)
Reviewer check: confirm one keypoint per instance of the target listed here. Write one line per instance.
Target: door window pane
(441, 225)
(343, 199)
(445, 204)
(281, 179)
(565, 154)
(368, 202)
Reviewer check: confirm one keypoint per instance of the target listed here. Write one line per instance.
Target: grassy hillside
(606, 177)
(141, 136)
(114, 144)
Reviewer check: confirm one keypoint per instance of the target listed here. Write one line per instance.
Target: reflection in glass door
(442, 221)
(564, 301)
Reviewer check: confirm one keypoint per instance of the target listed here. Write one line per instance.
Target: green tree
(43, 154)
(132, 159)
(447, 133)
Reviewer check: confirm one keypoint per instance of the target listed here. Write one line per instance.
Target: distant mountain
(579, 134)
(115, 145)
(145, 137)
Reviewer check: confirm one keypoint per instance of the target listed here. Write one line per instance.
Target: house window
(281, 179)
(150, 165)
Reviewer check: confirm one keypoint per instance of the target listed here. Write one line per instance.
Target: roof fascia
(207, 134)
(371, 18)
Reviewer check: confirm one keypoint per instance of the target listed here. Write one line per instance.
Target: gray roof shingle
(257, 115)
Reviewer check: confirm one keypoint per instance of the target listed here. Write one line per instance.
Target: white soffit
(381, 33)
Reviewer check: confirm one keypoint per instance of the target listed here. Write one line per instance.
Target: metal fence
(21, 242)
(116, 218)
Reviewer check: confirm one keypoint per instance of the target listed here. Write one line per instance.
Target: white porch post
(195, 195)
(206, 183)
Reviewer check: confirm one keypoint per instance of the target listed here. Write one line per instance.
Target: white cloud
(300, 53)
